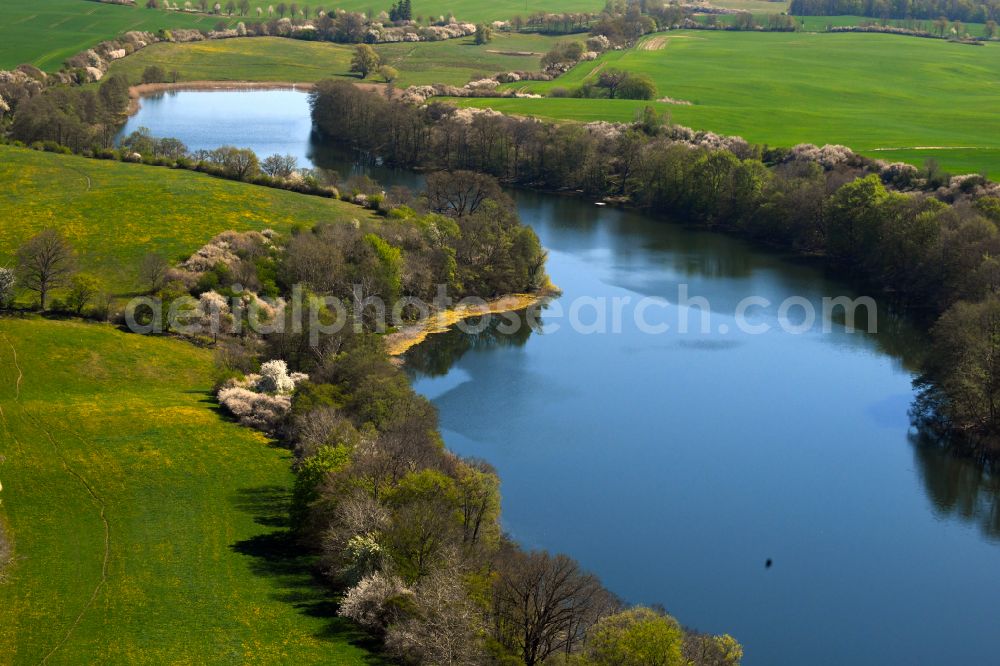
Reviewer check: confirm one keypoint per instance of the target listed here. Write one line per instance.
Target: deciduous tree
(636, 637)
(83, 289)
(365, 61)
(153, 272)
(279, 166)
(45, 262)
(544, 604)
(7, 282)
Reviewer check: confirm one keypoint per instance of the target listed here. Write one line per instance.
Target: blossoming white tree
(365, 603)
(261, 400)
(7, 282)
(274, 378)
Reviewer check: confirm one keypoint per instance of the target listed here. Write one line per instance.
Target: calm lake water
(675, 465)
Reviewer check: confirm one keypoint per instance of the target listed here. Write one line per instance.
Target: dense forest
(968, 11)
(925, 240)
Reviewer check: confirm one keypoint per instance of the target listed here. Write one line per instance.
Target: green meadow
(472, 11)
(114, 213)
(249, 59)
(46, 32)
(455, 61)
(755, 6)
(147, 528)
(821, 23)
(892, 97)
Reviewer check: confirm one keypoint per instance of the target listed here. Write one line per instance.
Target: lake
(675, 464)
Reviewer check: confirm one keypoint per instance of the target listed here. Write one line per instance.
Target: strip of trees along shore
(969, 11)
(408, 534)
(927, 241)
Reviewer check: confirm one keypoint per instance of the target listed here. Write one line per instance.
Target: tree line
(408, 533)
(925, 240)
(969, 11)
(75, 117)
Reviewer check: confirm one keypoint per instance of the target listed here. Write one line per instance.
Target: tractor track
(95, 497)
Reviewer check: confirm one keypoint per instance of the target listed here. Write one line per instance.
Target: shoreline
(140, 90)
(398, 343)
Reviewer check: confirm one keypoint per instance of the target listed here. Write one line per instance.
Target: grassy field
(755, 6)
(275, 59)
(250, 59)
(821, 23)
(893, 97)
(148, 529)
(457, 61)
(46, 32)
(472, 11)
(114, 213)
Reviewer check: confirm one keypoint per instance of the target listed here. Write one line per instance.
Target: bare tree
(279, 166)
(543, 604)
(45, 262)
(153, 271)
(447, 627)
(612, 80)
(461, 193)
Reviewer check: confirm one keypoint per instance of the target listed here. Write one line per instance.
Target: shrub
(154, 74)
(370, 603)
(83, 289)
(637, 86)
(255, 410)
(274, 378)
(446, 627)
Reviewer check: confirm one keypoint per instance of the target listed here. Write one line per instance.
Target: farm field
(824, 23)
(249, 59)
(275, 59)
(457, 61)
(46, 32)
(471, 11)
(114, 213)
(890, 96)
(755, 6)
(146, 527)
(821, 23)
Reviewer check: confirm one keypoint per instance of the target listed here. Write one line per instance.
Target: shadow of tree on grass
(292, 570)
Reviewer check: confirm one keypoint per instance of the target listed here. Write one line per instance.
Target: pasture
(471, 11)
(45, 33)
(114, 213)
(147, 528)
(821, 23)
(455, 61)
(889, 96)
(755, 6)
